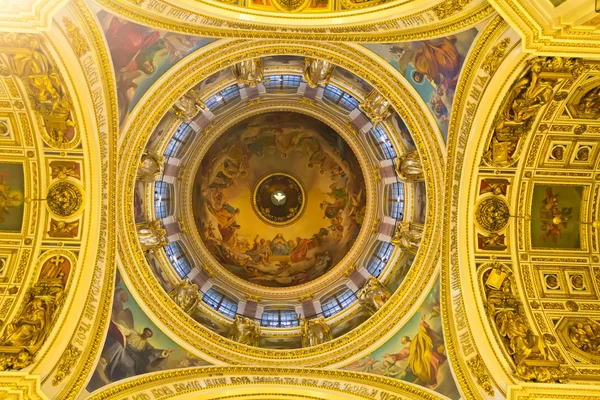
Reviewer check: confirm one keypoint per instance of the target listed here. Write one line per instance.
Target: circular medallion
(64, 199)
(278, 199)
(492, 214)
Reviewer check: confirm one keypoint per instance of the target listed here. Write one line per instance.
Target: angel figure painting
(432, 67)
(12, 187)
(140, 55)
(555, 214)
(416, 353)
(134, 345)
(227, 219)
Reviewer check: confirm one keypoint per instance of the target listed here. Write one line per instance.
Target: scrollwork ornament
(64, 199)
(493, 60)
(67, 361)
(449, 7)
(78, 42)
(291, 5)
(481, 374)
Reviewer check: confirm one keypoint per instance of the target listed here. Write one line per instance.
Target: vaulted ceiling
(273, 199)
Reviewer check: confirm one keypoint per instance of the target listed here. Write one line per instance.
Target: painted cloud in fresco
(141, 55)
(134, 345)
(432, 67)
(416, 353)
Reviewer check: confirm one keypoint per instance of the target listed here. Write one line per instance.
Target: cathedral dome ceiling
(299, 199)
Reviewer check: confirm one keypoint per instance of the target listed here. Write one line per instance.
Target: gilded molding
(183, 328)
(355, 385)
(390, 30)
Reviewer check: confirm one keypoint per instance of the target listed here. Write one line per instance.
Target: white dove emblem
(279, 196)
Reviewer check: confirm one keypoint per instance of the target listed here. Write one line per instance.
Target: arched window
(340, 98)
(178, 141)
(226, 96)
(395, 200)
(162, 199)
(283, 83)
(221, 303)
(279, 318)
(383, 253)
(336, 303)
(382, 144)
(178, 259)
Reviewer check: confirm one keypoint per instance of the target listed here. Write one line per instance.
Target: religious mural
(555, 214)
(318, 159)
(432, 67)
(12, 187)
(420, 202)
(134, 345)
(140, 55)
(400, 271)
(403, 134)
(416, 353)
(352, 79)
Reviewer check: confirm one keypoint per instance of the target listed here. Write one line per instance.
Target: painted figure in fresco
(553, 219)
(439, 62)
(260, 252)
(133, 49)
(279, 260)
(424, 353)
(128, 353)
(8, 197)
(279, 246)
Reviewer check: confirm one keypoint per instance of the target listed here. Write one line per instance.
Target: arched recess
(68, 121)
(264, 383)
(216, 348)
(504, 318)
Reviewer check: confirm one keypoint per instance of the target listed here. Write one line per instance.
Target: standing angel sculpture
(245, 331)
(186, 295)
(314, 332)
(151, 235)
(373, 295)
(150, 167)
(410, 167)
(407, 236)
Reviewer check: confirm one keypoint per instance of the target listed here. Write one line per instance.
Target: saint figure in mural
(439, 62)
(424, 359)
(129, 354)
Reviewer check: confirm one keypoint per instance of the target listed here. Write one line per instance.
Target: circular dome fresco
(279, 199)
